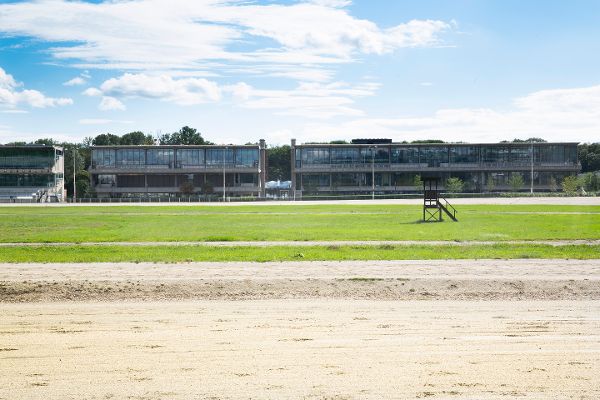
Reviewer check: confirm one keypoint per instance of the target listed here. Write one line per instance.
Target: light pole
(224, 151)
(74, 173)
(372, 172)
(531, 185)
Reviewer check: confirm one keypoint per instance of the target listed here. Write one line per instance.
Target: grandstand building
(32, 173)
(140, 171)
(380, 166)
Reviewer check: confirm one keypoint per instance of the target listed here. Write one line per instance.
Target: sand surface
(385, 280)
(456, 329)
(298, 349)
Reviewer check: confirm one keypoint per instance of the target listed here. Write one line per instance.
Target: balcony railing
(172, 166)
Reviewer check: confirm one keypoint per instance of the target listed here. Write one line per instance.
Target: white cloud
(101, 121)
(14, 111)
(110, 103)
(309, 100)
(77, 81)
(92, 92)
(172, 35)
(554, 115)
(186, 91)
(11, 96)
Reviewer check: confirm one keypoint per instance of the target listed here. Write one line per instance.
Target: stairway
(447, 208)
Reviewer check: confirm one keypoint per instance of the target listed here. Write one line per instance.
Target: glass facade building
(393, 167)
(31, 173)
(119, 171)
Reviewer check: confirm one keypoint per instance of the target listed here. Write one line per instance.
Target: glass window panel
(247, 157)
(219, 156)
(405, 155)
(17, 157)
(495, 154)
(433, 156)
(520, 154)
(378, 155)
(464, 154)
(345, 155)
(131, 157)
(160, 157)
(315, 155)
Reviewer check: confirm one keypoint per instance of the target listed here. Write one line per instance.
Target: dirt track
(489, 329)
(384, 280)
(318, 349)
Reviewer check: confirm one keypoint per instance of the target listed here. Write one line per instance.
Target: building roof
(30, 146)
(178, 146)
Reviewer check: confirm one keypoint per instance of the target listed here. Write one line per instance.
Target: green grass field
(294, 223)
(47, 254)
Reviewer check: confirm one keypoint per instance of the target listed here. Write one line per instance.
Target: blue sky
(238, 71)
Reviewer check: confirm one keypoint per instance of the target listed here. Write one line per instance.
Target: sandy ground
(320, 349)
(456, 329)
(383, 280)
(591, 201)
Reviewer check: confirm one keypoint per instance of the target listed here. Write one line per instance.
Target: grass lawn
(66, 254)
(296, 223)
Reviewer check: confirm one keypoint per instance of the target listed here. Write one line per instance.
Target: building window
(315, 155)
(34, 158)
(464, 154)
(345, 155)
(433, 156)
(219, 156)
(131, 157)
(160, 157)
(246, 157)
(103, 158)
(190, 158)
(405, 155)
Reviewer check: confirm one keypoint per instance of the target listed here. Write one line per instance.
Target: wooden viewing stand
(433, 204)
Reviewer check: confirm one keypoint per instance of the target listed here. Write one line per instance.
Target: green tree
(418, 183)
(187, 188)
(46, 142)
(589, 156)
(74, 150)
(106, 139)
(454, 185)
(186, 136)
(552, 184)
(207, 188)
(491, 185)
(516, 181)
(530, 140)
(570, 185)
(279, 163)
(136, 138)
(428, 141)
(591, 181)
